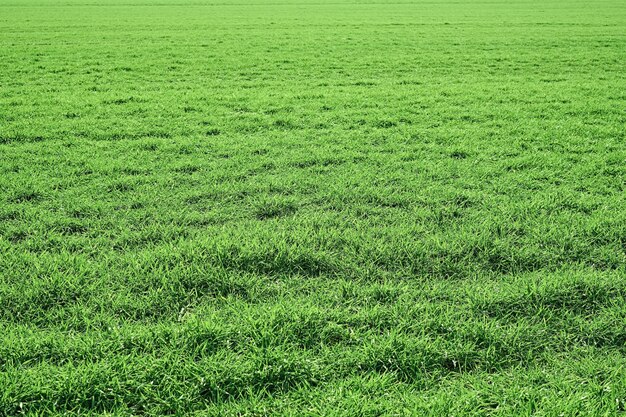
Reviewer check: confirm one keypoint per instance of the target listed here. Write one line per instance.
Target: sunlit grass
(326, 208)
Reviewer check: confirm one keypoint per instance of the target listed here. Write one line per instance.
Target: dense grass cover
(312, 208)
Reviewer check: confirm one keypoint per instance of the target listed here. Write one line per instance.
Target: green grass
(312, 208)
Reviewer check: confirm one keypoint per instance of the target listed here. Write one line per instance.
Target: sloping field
(271, 208)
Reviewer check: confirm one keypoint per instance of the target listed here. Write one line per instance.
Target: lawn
(320, 208)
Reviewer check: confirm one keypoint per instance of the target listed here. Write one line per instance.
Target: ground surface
(323, 208)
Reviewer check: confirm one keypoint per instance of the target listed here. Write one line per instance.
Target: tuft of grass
(272, 208)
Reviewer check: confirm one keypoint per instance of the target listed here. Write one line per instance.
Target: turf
(312, 208)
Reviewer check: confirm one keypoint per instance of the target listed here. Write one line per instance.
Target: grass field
(312, 208)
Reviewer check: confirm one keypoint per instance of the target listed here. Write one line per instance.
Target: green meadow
(312, 208)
